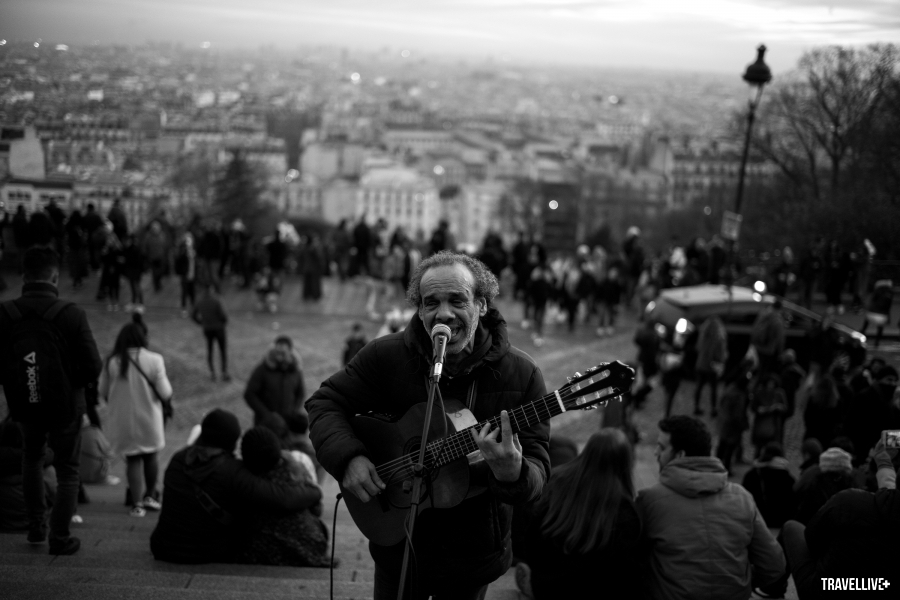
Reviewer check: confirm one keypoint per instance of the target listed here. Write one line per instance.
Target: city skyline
(694, 35)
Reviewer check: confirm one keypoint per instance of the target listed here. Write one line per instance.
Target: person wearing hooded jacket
(276, 386)
(704, 537)
(458, 550)
(211, 498)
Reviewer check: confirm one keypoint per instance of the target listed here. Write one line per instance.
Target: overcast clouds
(698, 35)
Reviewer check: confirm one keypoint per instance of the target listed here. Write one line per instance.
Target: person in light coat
(135, 415)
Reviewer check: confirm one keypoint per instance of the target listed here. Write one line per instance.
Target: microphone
(440, 335)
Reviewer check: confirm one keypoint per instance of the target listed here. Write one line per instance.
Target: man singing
(458, 550)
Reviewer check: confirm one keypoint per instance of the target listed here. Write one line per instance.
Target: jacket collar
(491, 341)
(39, 289)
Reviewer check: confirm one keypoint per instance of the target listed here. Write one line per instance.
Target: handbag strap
(222, 516)
(147, 379)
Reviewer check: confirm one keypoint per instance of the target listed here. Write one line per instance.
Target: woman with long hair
(586, 529)
(132, 381)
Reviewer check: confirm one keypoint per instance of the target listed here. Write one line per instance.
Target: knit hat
(835, 460)
(261, 450)
(220, 429)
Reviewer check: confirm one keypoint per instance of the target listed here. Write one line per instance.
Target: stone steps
(115, 562)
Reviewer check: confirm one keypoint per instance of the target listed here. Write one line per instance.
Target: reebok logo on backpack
(36, 381)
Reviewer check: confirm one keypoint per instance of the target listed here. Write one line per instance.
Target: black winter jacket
(389, 375)
(188, 533)
(278, 388)
(84, 364)
(855, 535)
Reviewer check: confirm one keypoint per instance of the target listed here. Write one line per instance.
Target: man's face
(664, 451)
(448, 298)
(282, 353)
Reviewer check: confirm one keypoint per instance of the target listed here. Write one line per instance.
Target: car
(678, 313)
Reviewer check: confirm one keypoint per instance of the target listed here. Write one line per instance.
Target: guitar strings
(461, 441)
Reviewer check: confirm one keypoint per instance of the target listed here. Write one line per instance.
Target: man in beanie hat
(211, 497)
(833, 474)
(836, 460)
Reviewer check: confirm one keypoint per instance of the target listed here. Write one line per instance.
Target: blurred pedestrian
(712, 353)
(733, 419)
(768, 405)
(312, 265)
(792, 378)
(117, 217)
(354, 343)
(768, 337)
(156, 252)
(134, 384)
(76, 238)
(879, 312)
(133, 265)
(112, 261)
(186, 269)
(210, 315)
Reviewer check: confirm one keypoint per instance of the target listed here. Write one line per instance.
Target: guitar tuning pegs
(575, 376)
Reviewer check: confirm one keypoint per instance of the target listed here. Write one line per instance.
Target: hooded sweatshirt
(704, 535)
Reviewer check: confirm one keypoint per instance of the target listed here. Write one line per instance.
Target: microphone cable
(334, 542)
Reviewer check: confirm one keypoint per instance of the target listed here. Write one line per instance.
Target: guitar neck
(460, 444)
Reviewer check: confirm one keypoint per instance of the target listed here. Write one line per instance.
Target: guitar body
(382, 519)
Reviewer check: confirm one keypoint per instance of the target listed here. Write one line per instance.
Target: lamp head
(758, 74)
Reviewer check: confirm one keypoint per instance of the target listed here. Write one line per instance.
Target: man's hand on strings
(362, 479)
(503, 457)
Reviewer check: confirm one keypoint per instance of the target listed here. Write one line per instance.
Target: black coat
(855, 535)
(187, 533)
(772, 487)
(389, 375)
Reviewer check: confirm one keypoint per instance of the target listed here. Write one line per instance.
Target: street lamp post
(757, 76)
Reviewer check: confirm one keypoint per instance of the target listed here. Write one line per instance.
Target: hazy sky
(696, 35)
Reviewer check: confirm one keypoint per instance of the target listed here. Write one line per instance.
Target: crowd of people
(76, 413)
(584, 516)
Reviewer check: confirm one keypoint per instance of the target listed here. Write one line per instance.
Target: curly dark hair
(688, 434)
(486, 285)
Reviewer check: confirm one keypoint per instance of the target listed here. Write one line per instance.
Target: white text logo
(868, 584)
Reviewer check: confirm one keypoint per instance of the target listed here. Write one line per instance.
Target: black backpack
(36, 379)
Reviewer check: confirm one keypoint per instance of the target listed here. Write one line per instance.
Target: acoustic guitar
(454, 469)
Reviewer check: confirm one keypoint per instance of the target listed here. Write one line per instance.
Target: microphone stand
(418, 475)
